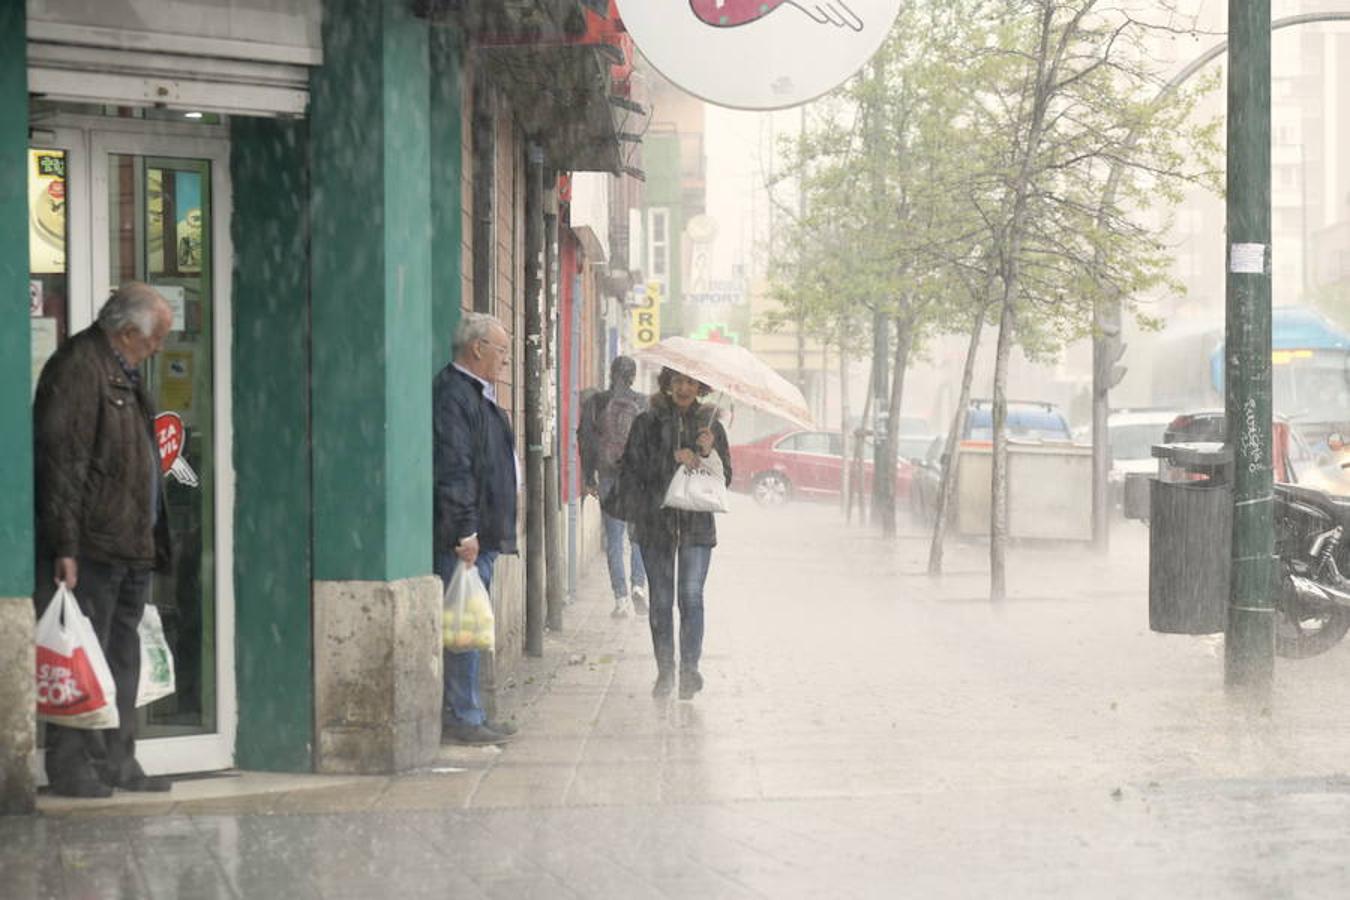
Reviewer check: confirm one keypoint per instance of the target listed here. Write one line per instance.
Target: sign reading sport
(758, 54)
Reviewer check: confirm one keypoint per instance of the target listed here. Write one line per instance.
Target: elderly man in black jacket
(101, 519)
(474, 462)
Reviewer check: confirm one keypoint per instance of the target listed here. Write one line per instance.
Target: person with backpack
(606, 418)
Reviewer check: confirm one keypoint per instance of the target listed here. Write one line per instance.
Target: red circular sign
(169, 432)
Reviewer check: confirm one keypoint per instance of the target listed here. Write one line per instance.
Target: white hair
(474, 326)
(133, 305)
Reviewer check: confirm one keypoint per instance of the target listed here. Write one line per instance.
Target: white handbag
(703, 489)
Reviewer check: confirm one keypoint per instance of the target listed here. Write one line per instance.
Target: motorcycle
(1312, 604)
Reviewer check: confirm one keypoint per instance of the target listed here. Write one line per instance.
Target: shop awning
(188, 56)
(565, 64)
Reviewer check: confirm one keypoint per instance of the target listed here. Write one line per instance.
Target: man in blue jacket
(474, 462)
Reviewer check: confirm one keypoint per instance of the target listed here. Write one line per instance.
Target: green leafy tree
(884, 219)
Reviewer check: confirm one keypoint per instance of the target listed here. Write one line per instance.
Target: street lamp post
(1249, 645)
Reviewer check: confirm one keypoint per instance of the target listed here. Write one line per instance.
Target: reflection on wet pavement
(864, 731)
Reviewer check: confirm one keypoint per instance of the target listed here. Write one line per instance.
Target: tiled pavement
(865, 731)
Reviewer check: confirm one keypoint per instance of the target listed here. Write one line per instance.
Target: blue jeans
(615, 529)
(462, 704)
(692, 564)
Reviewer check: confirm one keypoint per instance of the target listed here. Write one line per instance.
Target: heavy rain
(724, 448)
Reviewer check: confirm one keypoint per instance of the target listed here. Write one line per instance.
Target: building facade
(319, 200)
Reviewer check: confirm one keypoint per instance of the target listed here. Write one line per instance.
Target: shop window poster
(47, 211)
(174, 216)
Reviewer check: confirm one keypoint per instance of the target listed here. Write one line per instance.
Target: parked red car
(802, 464)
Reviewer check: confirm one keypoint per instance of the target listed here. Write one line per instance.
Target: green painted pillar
(17, 728)
(16, 434)
(272, 558)
(1249, 646)
(371, 266)
(376, 604)
(447, 221)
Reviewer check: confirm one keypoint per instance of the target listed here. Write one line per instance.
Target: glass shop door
(136, 205)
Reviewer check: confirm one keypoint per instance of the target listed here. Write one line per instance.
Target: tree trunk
(881, 346)
(1106, 350)
(952, 449)
(856, 494)
(885, 473)
(847, 448)
(998, 487)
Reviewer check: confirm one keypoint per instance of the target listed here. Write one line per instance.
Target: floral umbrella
(733, 370)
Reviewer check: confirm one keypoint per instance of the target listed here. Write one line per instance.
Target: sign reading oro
(758, 54)
(647, 317)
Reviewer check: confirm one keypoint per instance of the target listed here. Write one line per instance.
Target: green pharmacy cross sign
(717, 333)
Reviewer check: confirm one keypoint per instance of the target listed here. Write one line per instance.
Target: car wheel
(771, 489)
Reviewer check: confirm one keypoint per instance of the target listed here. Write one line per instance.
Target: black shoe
(505, 729)
(665, 682)
(145, 784)
(474, 735)
(82, 784)
(131, 777)
(690, 684)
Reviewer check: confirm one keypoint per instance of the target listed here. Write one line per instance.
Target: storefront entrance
(114, 200)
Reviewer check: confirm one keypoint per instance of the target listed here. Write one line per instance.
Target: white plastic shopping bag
(74, 684)
(157, 679)
(467, 622)
(703, 489)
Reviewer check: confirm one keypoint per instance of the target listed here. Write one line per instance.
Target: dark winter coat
(474, 465)
(94, 454)
(648, 464)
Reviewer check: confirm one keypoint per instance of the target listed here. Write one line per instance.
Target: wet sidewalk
(865, 731)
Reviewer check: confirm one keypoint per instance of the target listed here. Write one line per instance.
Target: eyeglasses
(503, 349)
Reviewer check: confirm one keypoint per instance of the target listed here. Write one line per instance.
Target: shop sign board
(647, 317)
(758, 54)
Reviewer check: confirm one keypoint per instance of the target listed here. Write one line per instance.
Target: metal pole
(556, 580)
(1249, 647)
(575, 496)
(535, 550)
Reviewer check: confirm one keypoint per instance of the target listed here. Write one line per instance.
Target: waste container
(1190, 532)
(1135, 495)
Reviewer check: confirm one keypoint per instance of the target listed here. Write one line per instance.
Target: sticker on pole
(1247, 259)
(758, 54)
(170, 434)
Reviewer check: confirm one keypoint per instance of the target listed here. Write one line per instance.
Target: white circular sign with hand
(758, 54)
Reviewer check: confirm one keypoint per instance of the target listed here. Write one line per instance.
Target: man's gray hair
(474, 326)
(134, 304)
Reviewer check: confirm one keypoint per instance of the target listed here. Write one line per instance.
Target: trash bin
(1191, 515)
(1135, 495)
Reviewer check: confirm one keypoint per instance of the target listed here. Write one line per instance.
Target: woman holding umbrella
(676, 545)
